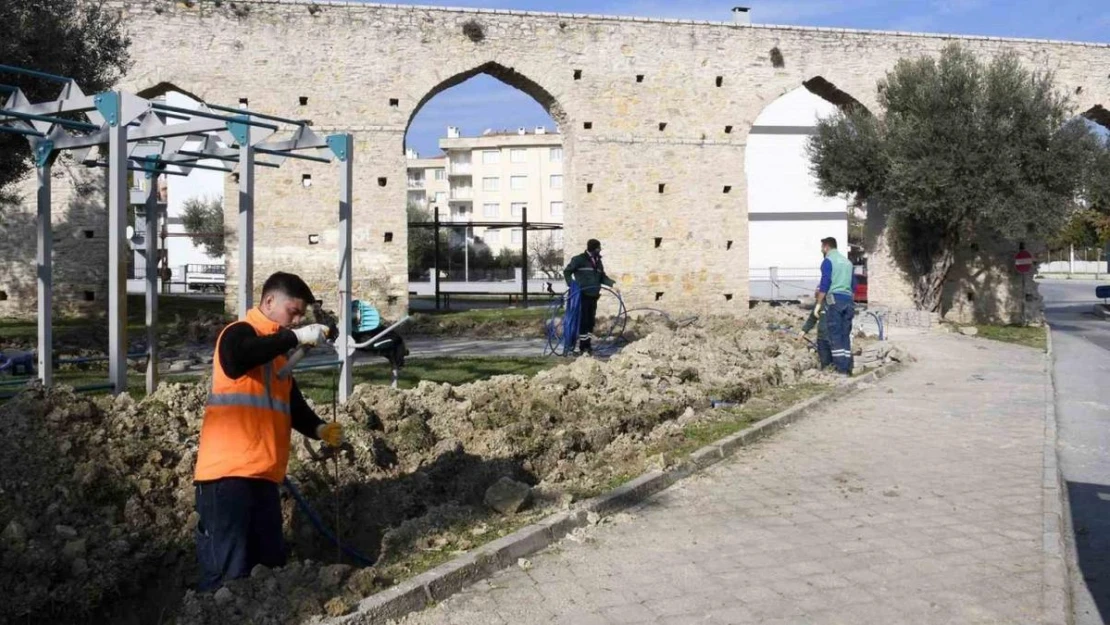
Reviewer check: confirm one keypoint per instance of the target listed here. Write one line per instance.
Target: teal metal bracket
(338, 145)
(43, 151)
(108, 104)
(151, 165)
(240, 130)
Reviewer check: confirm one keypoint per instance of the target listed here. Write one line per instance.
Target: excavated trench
(96, 495)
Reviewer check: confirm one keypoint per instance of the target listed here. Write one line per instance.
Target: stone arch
(787, 214)
(507, 75)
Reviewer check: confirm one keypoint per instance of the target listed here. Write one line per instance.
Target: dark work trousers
(240, 526)
(841, 310)
(824, 352)
(587, 317)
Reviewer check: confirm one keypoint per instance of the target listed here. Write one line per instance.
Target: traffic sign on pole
(1023, 261)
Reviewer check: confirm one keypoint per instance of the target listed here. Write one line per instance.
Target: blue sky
(483, 102)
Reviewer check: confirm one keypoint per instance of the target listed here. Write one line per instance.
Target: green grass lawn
(169, 308)
(318, 384)
(1028, 336)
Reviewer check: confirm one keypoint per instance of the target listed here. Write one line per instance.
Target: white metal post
(117, 256)
(1071, 260)
(45, 268)
(246, 229)
(152, 256)
(346, 174)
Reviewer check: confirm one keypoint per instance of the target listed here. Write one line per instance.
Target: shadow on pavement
(1090, 513)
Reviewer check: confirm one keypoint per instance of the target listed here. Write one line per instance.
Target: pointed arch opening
(485, 161)
(787, 214)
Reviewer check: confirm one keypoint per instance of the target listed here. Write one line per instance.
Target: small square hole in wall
(728, 245)
(658, 295)
(303, 100)
(662, 126)
(662, 187)
(639, 78)
(313, 239)
(243, 102)
(394, 102)
(970, 296)
(720, 81)
(658, 241)
(728, 130)
(90, 296)
(88, 233)
(589, 187)
(391, 299)
(728, 188)
(728, 297)
(587, 125)
(306, 180)
(235, 177)
(3, 296)
(578, 74)
(382, 181)
(389, 237)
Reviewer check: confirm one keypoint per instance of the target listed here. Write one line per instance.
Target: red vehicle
(859, 277)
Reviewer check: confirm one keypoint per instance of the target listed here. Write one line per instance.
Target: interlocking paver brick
(915, 501)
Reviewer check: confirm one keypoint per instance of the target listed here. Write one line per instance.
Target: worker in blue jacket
(835, 300)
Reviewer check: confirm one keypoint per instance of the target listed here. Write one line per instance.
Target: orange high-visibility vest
(247, 421)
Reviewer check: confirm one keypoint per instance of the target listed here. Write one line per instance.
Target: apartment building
(493, 178)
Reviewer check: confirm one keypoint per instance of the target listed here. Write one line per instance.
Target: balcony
(416, 183)
(465, 194)
(458, 168)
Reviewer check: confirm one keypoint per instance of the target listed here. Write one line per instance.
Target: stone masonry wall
(368, 68)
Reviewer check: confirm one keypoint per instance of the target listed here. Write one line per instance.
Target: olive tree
(961, 151)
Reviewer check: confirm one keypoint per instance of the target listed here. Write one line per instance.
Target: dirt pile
(95, 498)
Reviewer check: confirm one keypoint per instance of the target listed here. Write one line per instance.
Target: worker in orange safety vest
(244, 438)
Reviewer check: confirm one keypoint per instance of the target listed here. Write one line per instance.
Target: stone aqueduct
(610, 82)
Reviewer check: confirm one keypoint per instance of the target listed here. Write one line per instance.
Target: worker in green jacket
(588, 271)
(835, 301)
(824, 348)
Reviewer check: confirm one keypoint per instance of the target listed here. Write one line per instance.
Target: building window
(441, 197)
(491, 157)
(557, 209)
(518, 183)
(492, 238)
(441, 174)
(556, 181)
(491, 184)
(518, 155)
(516, 236)
(518, 209)
(491, 210)
(555, 155)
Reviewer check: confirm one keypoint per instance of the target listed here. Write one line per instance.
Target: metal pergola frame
(140, 138)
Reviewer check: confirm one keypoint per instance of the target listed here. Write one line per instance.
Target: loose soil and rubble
(96, 494)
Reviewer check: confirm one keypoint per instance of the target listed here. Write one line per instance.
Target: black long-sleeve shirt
(241, 349)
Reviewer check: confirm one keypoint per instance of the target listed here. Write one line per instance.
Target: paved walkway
(918, 502)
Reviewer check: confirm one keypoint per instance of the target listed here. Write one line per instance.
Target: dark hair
(593, 244)
(290, 285)
(829, 241)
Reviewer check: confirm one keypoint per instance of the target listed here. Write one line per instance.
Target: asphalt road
(1081, 343)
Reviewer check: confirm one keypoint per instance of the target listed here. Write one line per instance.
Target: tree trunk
(929, 285)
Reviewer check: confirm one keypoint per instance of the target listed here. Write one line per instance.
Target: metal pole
(524, 256)
(44, 261)
(774, 275)
(1071, 259)
(435, 264)
(346, 174)
(466, 255)
(117, 256)
(152, 283)
(246, 229)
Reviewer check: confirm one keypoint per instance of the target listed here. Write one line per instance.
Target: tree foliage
(422, 245)
(545, 255)
(203, 219)
(962, 152)
(80, 39)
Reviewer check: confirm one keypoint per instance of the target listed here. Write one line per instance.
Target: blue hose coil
(320, 527)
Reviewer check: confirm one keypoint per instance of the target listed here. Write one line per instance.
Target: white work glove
(312, 334)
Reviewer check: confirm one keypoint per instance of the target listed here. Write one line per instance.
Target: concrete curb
(443, 581)
(1057, 519)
